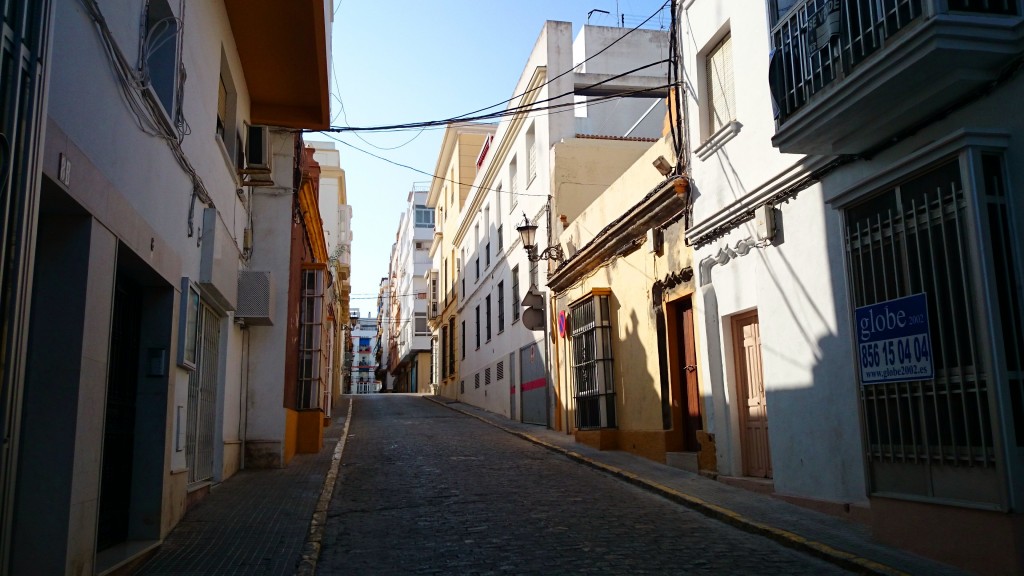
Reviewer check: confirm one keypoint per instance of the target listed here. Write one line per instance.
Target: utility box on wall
(218, 267)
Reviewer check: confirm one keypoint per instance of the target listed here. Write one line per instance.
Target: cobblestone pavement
(256, 522)
(426, 490)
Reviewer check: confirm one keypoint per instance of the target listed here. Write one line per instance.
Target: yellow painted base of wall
(291, 434)
(651, 444)
(310, 432)
(232, 459)
(977, 540)
(175, 496)
(604, 439)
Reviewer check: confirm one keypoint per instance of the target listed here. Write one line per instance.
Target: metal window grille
(487, 376)
(515, 294)
(501, 306)
(820, 38)
(444, 352)
(500, 371)
(451, 346)
(1008, 7)
(202, 399)
(476, 380)
(312, 360)
(531, 161)
(513, 182)
(721, 99)
(592, 377)
(910, 239)
(1008, 270)
(487, 319)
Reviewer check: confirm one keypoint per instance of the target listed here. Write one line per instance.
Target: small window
(515, 293)
(487, 376)
(463, 339)
(160, 54)
(531, 159)
(487, 310)
(513, 183)
(424, 217)
(478, 327)
(721, 100)
(501, 309)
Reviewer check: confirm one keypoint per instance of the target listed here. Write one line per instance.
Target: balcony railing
(819, 43)
(821, 39)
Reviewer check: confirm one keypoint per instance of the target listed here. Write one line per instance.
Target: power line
(444, 179)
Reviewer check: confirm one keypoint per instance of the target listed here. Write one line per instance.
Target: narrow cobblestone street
(426, 490)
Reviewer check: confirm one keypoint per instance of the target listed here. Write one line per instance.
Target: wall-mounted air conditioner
(255, 298)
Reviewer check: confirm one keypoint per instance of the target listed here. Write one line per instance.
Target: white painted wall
(807, 357)
(557, 52)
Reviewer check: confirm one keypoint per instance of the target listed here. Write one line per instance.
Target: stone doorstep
(124, 558)
(683, 460)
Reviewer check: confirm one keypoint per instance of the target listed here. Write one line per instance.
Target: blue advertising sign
(892, 340)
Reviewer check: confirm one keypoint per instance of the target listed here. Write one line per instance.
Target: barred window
(312, 355)
(476, 380)
(500, 371)
(501, 306)
(515, 293)
(487, 376)
(915, 238)
(593, 380)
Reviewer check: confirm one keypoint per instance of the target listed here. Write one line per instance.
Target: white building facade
(410, 262)
(840, 189)
(538, 168)
(364, 365)
(143, 233)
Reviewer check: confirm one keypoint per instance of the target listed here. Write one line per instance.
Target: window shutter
(721, 86)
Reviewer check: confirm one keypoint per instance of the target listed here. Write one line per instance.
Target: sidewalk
(257, 521)
(842, 542)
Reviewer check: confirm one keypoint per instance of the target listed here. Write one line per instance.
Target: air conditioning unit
(255, 298)
(257, 149)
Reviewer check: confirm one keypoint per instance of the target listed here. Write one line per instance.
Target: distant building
(364, 364)
(410, 260)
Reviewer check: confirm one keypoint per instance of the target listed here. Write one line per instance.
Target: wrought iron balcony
(847, 75)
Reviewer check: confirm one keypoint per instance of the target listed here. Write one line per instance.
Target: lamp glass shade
(528, 233)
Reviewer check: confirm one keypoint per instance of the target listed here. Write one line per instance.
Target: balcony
(848, 75)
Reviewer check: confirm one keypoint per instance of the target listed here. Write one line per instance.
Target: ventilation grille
(255, 298)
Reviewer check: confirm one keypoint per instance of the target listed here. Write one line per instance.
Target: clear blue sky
(407, 61)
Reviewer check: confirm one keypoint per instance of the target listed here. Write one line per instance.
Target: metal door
(202, 398)
(746, 335)
(534, 389)
(513, 405)
(119, 420)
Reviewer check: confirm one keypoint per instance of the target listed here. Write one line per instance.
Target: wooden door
(690, 396)
(751, 397)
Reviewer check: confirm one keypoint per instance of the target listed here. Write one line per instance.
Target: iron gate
(917, 237)
(202, 398)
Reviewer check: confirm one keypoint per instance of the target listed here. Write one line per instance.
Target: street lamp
(528, 234)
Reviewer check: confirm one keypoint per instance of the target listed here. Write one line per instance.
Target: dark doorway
(119, 425)
(689, 392)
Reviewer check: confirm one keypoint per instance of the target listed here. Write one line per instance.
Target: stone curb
(838, 557)
(318, 524)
